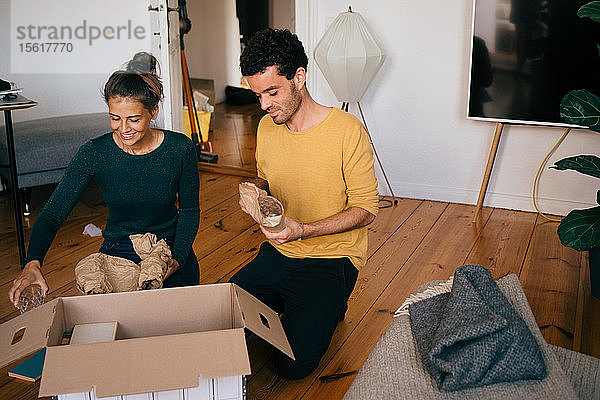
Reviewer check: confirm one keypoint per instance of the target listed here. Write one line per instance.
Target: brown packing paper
(101, 273)
(264, 209)
(152, 267)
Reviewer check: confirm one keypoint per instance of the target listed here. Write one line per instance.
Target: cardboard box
(168, 340)
(228, 388)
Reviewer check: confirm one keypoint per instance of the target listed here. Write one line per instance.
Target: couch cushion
(49, 144)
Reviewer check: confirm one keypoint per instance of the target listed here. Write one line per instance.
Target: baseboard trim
(492, 199)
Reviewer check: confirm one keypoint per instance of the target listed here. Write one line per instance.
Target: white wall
(416, 106)
(282, 14)
(65, 83)
(212, 47)
(54, 92)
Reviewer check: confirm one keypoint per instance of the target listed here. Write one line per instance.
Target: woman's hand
(31, 274)
(172, 265)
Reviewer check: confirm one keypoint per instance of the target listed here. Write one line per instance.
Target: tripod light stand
(349, 55)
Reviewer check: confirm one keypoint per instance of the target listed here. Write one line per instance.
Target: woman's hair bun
(138, 81)
(142, 62)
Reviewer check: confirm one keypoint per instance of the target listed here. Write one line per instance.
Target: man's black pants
(312, 295)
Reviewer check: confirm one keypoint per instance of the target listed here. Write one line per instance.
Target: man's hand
(292, 231)
(31, 274)
(351, 218)
(172, 265)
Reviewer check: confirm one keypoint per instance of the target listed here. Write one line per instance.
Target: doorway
(220, 29)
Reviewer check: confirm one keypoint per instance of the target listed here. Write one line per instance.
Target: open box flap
(142, 365)
(263, 321)
(31, 327)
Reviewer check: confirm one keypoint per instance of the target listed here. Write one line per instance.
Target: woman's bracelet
(302, 233)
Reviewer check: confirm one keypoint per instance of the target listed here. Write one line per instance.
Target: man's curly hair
(269, 47)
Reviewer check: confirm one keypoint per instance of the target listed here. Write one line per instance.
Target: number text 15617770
(45, 47)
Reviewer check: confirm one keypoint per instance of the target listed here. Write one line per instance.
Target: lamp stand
(345, 108)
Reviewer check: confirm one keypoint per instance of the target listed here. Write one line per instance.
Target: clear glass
(31, 297)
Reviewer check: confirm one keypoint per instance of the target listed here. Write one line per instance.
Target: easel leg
(488, 170)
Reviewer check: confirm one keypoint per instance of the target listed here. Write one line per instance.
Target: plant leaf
(586, 164)
(580, 229)
(581, 107)
(590, 10)
(598, 197)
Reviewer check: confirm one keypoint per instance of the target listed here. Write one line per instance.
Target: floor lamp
(349, 55)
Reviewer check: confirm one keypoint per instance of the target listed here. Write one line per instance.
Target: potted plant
(580, 229)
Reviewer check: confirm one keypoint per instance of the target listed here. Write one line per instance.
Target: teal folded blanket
(472, 336)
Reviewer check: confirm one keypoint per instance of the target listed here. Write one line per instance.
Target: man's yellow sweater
(318, 173)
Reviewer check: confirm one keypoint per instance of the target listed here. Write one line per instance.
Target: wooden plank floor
(409, 244)
(234, 134)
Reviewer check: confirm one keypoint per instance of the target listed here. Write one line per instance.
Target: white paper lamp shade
(349, 55)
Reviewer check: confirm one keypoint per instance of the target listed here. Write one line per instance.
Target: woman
(142, 173)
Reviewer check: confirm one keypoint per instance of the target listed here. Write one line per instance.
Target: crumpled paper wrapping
(92, 230)
(152, 266)
(264, 209)
(101, 273)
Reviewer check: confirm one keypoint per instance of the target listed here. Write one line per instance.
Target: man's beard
(289, 107)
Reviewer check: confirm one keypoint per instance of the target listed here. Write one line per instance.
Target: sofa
(44, 148)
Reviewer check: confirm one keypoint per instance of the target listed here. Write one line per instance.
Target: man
(318, 162)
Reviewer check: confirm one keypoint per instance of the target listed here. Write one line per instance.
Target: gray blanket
(394, 369)
(473, 336)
